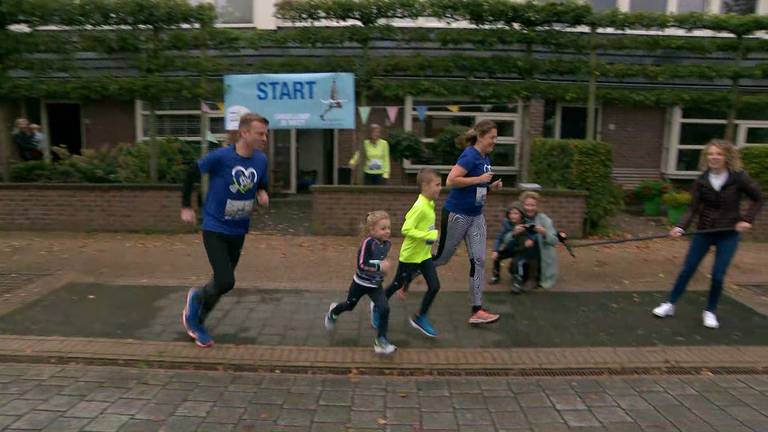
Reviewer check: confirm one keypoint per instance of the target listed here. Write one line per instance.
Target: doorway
(64, 126)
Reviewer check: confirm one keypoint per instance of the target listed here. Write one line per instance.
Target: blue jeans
(725, 248)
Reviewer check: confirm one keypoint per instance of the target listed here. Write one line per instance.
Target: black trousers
(356, 292)
(503, 254)
(373, 179)
(405, 274)
(223, 253)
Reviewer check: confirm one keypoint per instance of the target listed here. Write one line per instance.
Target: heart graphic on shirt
(243, 179)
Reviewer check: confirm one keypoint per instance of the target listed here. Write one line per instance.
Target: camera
(530, 228)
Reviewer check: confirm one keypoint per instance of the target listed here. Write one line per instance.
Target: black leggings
(223, 253)
(356, 292)
(405, 274)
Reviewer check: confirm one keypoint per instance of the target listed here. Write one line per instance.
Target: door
(65, 126)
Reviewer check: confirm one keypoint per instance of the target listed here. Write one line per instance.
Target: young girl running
(369, 277)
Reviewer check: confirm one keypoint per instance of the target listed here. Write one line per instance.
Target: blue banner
(292, 101)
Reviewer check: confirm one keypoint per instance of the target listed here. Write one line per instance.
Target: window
(231, 11)
(570, 121)
(180, 119)
(692, 128)
(740, 7)
(602, 5)
(438, 118)
(684, 6)
(648, 6)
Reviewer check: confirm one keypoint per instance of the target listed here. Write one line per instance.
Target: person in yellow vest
(376, 162)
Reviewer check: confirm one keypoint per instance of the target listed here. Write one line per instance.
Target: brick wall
(86, 207)
(759, 231)
(636, 135)
(340, 210)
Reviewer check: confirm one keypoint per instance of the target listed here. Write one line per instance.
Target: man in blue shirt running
(238, 175)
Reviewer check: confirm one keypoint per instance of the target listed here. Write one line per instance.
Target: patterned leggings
(454, 228)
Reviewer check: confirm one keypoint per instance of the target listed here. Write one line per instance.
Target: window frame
(140, 112)
(559, 118)
(678, 120)
(481, 115)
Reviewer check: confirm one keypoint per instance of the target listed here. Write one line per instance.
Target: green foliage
(674, 199)
(164, 38)
(756, 164)
(174, 157)
(446, 148)
(551, 162)
(651, 189)
(580, 165)
(404, 145)
(126, 163)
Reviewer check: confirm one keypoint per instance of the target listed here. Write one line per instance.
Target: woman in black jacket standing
(716, 200)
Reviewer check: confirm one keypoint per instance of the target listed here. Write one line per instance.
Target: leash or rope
(651, 237)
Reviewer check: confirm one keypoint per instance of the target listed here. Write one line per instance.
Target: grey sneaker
(330, 320)
(382, 346)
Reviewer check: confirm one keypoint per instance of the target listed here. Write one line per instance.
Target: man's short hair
(426, 174)
(247, 119)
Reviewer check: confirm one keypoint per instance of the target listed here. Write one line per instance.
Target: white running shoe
(382, 346)
(664, 310)
(330, 321)
(710, 320)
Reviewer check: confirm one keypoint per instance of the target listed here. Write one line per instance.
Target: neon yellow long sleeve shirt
(419, 231)
(376, 158)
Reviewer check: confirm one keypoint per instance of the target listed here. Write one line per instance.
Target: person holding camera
(545, 261)
(518, 242)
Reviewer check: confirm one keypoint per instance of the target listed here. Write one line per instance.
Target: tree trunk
(5, 141)
(592, 88)
(735, 96)
(526, 142)
(152, 143)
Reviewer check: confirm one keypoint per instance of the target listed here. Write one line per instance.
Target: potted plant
(677, 203)
(650, 192)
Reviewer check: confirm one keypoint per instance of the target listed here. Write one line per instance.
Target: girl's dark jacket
(722, 209)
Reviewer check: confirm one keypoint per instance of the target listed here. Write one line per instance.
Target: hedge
(582, 165)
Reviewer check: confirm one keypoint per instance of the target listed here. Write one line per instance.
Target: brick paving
(94, 398)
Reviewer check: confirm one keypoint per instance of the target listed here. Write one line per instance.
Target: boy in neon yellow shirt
(416, 252)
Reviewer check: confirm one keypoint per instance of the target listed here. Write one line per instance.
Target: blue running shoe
(421, 323)
(203, 339)
(374, 316)
(190, 317)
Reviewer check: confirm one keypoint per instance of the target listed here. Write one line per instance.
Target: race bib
(374, 164)
(238, 209)
(480, 195)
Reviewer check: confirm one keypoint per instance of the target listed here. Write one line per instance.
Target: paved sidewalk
(71, 398)
(295, 318)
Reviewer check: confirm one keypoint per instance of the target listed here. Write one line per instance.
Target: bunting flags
(364, 112)
(204, 107)
(392, 113)
(421, 110)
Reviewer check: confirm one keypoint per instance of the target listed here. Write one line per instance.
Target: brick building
(648, 142)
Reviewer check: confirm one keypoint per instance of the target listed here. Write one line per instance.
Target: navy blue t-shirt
(232, 188)
(470, 200)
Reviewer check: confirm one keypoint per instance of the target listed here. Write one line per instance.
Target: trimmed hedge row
(582, 165)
